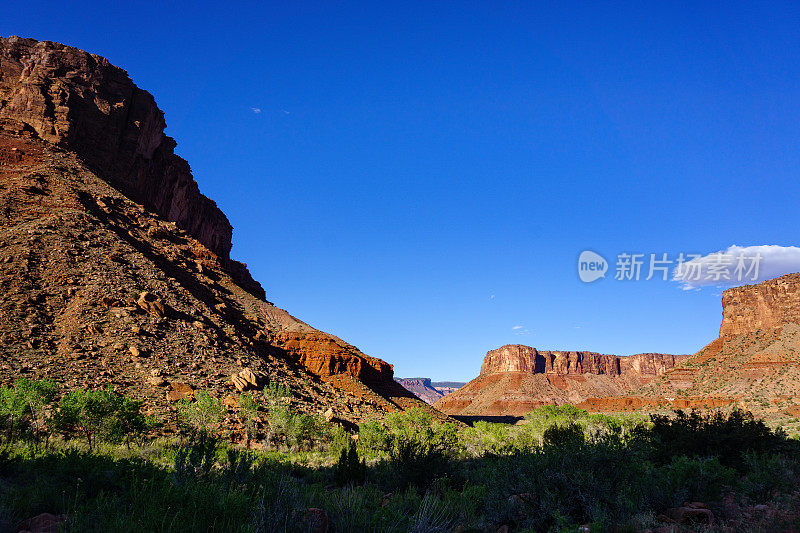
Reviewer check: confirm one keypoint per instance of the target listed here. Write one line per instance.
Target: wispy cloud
(255, 110)
(738, 265)
(520, 330)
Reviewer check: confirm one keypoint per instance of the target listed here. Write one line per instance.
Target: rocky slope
(754, 363)
(515, 379)
(115, 270)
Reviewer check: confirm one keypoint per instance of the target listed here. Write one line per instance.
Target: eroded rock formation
(520, 358)
(765, 306)
(83, 103)
(515, 379)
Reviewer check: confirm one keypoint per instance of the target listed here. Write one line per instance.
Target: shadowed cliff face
(81, 102)
(768, 305)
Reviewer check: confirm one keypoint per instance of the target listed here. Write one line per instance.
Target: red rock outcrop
(520, 358)
(768, 305)
(83, 103)
(327, 356)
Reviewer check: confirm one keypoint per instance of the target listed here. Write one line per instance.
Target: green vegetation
(561, 468)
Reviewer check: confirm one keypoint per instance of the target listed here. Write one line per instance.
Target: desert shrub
(203, 413)
(694, 479)
(417, 464)
(295, 430)
(766, 474)
(337, 437)
(567, 436)
(302, 430)
(417, 425)
(275, 392)
(196, 460)
(353, 509)
(713, 435)
(485, 437)
(100, 414)
(277, 505)
(411, 425)
(349, 469)
(432, 516)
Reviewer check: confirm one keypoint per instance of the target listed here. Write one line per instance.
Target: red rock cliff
(519, 358)
(85, 104)
(768, 305)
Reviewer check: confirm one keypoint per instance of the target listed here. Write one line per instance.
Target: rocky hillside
(515, 379)
(754, 363)
(115, 269)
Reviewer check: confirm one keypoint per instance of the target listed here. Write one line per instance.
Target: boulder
(180, 391)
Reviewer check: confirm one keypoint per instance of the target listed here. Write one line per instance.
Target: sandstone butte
(515, 379)
(116, 271)
(753, 364)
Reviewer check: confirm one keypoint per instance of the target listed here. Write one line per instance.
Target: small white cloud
(255, 110)
(520, 330)
(285, 112)
(738, 265)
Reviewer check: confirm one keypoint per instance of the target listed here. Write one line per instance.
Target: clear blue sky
(420, 179)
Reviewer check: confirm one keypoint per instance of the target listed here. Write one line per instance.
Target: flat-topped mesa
(520, 358)
(83, 103)
(768, 305)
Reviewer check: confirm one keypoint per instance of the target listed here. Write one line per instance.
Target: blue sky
(419, 179)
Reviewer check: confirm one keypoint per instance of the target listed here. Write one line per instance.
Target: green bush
(729, 437)
(203, 413)
(22, 407)
(100, 414)
(695, 479)
(487, 438)
(766, 474)
(417, 464)
(248, 413)
(373, 437)
(570, 435)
